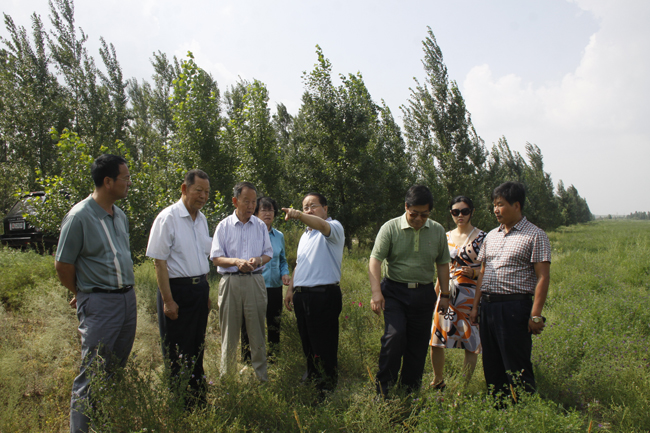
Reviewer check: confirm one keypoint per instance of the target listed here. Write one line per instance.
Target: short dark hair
(321, 198)
(106, 165)
(419, 195)
(236, 191)
(462, 199)
(190, 176)
(265, 203)
(511, 192)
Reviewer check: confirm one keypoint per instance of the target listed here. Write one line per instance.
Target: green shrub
(20, 272)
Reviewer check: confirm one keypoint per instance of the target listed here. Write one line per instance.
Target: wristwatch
(538, 319)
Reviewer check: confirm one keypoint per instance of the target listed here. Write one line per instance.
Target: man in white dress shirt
(179, 243)
(240, 248)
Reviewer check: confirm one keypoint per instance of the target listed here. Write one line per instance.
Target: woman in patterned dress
(453, 328)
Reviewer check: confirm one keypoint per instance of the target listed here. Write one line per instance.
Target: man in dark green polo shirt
(93, 261)
(413, 247)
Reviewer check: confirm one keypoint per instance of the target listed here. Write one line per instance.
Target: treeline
(59, 109)
(638, 216)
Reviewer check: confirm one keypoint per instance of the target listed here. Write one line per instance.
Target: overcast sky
(569, 76)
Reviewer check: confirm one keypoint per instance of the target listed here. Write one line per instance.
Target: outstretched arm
(316, 223)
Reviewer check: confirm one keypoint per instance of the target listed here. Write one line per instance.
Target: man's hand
(73, 302)
(255, 262)
(535, 328)
(286, 279)
(288, 299)
(443, 305)
(377, 303)
(291, 214)
(473, 316)
(245, 265)
(468, 272)
(171, 309)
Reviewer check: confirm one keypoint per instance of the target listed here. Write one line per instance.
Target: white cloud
(591, 125)
(219, 71)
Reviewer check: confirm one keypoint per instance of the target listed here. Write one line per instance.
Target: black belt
(315, 289)
(259, 271)
(411, 285)
(487, 297)
(186, 281)
(124, 289)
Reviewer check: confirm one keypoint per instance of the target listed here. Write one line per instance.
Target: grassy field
(591, 362)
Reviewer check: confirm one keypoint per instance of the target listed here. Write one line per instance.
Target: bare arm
(227, 262)
(543, 273)
(68, 277)
(316, 223)
(473, 316)
(443, 282)
(377, 301)
(288, 298)
(162, 277)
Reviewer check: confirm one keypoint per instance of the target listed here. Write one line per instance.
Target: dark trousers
(273, 313)
(183, 339)
(408, 315)
(507, 344)
(317, 315)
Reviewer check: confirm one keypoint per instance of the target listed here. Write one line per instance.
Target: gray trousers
(243, 296)
(107, 323)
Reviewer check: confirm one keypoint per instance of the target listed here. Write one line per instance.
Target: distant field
(592, 361)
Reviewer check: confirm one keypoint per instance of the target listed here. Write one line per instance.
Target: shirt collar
(182, 210)
(272, 232)
(404, 224)
(520, 224)
(99, 211)
(237, 221)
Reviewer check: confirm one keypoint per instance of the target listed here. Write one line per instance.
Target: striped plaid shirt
(233, 239)
(510, 258)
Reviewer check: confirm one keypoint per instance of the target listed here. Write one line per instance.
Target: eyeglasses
(126, 179)
(310, 207)
(266, 211)
(465, 211)
(423, 215)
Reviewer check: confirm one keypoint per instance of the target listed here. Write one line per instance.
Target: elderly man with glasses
(240, 248)
(414, 248)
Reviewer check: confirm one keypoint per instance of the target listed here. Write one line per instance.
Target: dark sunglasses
(465, 211)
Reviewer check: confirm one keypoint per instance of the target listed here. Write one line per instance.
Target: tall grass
(594, 354)
(591, 361)
(20, 271)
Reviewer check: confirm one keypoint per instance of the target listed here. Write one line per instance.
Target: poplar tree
(448, 154)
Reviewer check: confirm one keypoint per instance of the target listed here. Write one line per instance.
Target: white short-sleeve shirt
(184, 243)
(319, 257)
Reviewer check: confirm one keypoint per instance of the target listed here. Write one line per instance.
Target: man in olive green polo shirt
(414, 247)
(93, 261)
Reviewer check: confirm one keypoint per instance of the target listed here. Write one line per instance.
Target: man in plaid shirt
(514, 278)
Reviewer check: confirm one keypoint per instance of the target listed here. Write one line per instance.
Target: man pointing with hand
(314, 291)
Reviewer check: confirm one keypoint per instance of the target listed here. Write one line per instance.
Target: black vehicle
(18, 233)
